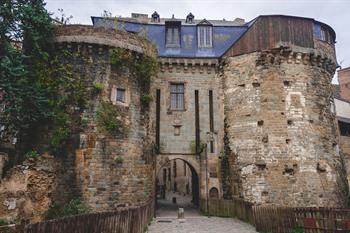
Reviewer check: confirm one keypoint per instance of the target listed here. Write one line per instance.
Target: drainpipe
(206, 178)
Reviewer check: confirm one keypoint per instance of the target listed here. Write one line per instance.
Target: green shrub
(298, 230)
(97, 88)
(74, 207)
(145, 99)
(107, 120)
(32, 154)
(3, 222)
(118, 159)
(119, 57)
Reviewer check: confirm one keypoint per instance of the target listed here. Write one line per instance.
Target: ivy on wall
(144, 68)
(108, 119)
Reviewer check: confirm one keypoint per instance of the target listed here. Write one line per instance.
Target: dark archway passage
(177, 185)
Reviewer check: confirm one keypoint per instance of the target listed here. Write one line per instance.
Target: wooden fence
(237, 208)
(311, 220)
(275, 219)
(124, 220)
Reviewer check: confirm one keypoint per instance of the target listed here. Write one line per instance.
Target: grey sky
(335, 13)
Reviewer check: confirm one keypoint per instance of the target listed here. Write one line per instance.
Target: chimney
(155, 17)
(189, 18)
(344, 83)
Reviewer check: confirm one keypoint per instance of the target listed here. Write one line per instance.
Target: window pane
(180, 101)
(173, 35)
(180, 88)
(176, 36)
(173, 88)
(121, 95)
(204, 36)
(169, 36)
(173, 101)
(208, 37)
(201, 37)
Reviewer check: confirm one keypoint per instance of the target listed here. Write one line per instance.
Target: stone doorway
(177, 186)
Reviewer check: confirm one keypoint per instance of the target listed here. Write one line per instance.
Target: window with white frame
(205, 36)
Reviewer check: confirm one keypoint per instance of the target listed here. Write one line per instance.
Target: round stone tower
(112, 165)
(281, 132)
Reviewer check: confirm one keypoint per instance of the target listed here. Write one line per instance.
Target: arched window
(214, 193)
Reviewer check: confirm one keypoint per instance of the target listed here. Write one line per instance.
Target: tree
(25, 31)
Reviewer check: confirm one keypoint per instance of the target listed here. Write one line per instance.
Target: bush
(298, 230)
(118, 159)
(32, 155)
(97, 88)
(145, 100)
(107, 119)
(3, 222)
(74, 207)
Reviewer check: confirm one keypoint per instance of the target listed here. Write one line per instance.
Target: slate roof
(225, 33)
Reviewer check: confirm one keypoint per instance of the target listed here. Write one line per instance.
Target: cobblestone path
(199, 225)
(194, 222)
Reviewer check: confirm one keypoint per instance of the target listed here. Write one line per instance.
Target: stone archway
(192, 162)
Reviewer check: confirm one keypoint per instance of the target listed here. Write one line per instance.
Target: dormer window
(205, 34)
(173, 33)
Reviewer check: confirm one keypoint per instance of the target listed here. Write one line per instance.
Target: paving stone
(200, 225)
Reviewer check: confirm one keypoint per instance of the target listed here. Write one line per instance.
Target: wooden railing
(275, 219)
(236, 208)
(125, 220)
(311, 220)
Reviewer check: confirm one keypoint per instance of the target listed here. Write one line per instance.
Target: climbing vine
(144, 67)
(109, 119)
(225, 165)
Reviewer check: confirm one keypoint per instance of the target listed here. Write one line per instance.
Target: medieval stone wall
(26, 191)
(281, 132)
(108, 169)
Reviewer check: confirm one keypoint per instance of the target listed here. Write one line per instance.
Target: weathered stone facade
(25, 193)
(110, 170)
(261, 106)
(282, 133)
(197, 75)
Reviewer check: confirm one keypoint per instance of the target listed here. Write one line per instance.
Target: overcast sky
(335, 13)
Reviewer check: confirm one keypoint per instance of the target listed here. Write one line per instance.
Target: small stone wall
(25, 193)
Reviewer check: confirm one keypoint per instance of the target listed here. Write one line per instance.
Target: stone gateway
(235, 109)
